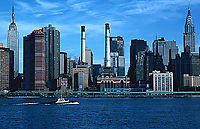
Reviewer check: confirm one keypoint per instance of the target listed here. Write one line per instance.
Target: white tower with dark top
(107, 46)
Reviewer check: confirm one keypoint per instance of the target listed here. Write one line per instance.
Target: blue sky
(131, 19)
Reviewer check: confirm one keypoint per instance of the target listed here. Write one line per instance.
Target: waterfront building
(110, 83)
(190, 81)
(162, 48)
(136, 46)
(52, 52)
(13, 42)
(189, 34)
(6, 68)
(63, 63)
(34, 61)
(80, 78)
(162, 82)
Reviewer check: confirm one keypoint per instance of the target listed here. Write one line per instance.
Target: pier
(89, 94)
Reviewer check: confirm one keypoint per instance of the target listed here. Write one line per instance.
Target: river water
(103, 113)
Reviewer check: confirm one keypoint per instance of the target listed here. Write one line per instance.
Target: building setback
(13, 42)
(6, 68)
(34, 61)
(52, 40)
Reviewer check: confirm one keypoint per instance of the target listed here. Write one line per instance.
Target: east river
(102, 113)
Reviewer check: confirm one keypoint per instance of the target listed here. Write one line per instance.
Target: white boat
(73, 102)
(61, 101)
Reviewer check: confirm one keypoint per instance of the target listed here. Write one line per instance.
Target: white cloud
(47, 5)
(25, 7)
(82, 6)
(154, 7)
(38, 15)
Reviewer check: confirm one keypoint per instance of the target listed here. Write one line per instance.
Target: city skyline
(144, 20)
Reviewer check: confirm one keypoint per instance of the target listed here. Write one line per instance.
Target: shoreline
(104, 96)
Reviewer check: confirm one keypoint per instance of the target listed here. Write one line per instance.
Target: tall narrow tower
(189, 34)
(82, 43)
(13, 42)
(107, 46)
(52, 52)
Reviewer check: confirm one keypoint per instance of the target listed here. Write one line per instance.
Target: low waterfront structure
(162, 82)
(111, 83)
(190, 81)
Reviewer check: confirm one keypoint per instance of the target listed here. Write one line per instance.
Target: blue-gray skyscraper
(13, 42)
(189, 34)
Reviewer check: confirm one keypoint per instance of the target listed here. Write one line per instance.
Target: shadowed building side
(34, 61)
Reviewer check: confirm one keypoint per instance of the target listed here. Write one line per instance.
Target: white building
(162, 82)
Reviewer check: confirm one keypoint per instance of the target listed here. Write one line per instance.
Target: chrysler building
(189, 34)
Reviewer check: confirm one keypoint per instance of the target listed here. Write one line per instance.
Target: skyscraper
(162, 48)
(117, 55)
(189, 34)
(136, 46)
(52, 40)
(6, 68)
(13, 42)
(89, 60)
(34, 61)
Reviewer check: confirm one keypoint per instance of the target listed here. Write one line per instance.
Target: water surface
(102, 113)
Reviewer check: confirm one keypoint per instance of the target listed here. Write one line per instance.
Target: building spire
(189, 7)
(13, 15)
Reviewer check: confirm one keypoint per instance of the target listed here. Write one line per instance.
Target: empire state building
(189, 34)
(13, 42)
